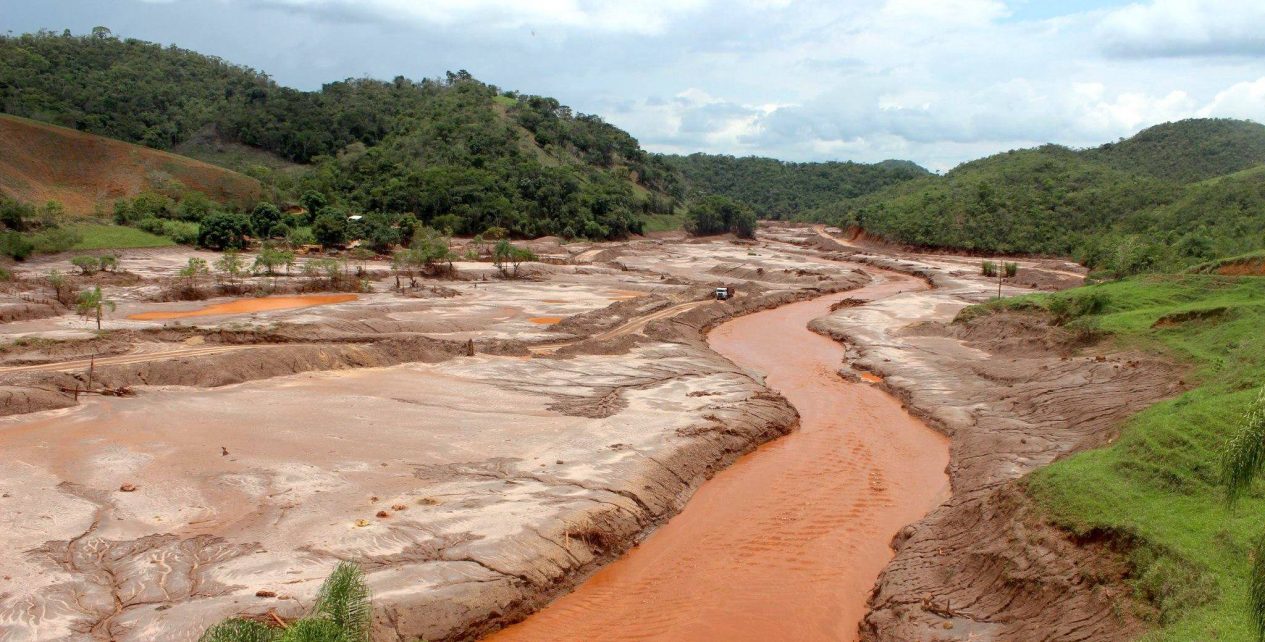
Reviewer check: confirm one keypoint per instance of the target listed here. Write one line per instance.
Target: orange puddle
(625, 294)
(870, 377)
(243, 306)
(545, 320)
(786, 543)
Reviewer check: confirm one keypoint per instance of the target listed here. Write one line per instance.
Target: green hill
(1173, 196)
(778, 189)
(1188, 151)
(453, 149)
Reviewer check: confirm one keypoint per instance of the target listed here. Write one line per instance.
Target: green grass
(1160, 481)
(665, 222)
(98, 236)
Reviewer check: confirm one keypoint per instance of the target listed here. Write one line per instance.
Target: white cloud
(936, 82)
(1164, 28)
(1242, 100)
(643, 17)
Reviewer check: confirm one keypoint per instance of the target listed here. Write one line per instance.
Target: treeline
(451, 147)
(780, 190)
(1144, 204)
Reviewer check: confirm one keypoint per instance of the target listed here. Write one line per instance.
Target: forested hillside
(1172, 196)
(454, 147)
(778, 189)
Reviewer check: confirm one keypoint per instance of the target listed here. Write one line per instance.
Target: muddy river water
(786, 543)
(249, 305)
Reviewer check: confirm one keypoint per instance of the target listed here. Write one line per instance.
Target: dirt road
(786, 543)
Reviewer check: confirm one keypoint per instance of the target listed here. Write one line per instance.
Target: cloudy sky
(934, 81)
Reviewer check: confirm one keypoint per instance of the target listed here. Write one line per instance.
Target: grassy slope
(41, 162)
(1159, 481)
(96, 236)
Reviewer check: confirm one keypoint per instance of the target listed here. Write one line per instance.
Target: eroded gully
(786, 543)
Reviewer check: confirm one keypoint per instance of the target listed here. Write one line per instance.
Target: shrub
(53, 240)
(300, 236)
(1011, 269)
(16, 246)
(109, 262)
(86, 264)
(5, 275)
(988, 268)
(182, 232)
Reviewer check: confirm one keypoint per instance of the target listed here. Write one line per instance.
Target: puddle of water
(618, 295)
(244, 306)
(786, 543)
(870, 377)
(545, 320)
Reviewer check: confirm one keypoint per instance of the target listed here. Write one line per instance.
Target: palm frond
(344, 599)
(1244, 455)
(1257, 594)
(239, 630)
(314, 629)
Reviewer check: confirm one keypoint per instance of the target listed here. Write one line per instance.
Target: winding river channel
(786, 543)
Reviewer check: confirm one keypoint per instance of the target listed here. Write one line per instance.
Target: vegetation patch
(1161, 480)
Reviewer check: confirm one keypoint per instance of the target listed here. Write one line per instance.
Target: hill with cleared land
(41, 162)
(458, 153)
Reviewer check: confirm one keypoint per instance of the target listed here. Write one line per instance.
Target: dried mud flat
(262, 448)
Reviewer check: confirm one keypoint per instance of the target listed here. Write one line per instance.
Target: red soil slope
(41, 162)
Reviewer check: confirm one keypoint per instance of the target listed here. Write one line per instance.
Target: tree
(264, 220)
(57, 281)
(1243, 460)
(271, 258)
(718, 214)
(343, 612)
(224, 231)
(313, 202)
(330, 228)
(193, 270)
(231, 266)
(91, 302)
(380, 232)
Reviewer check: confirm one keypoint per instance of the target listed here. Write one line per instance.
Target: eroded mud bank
(1013, 394)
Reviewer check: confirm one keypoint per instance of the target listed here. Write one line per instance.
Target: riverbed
(787, 542)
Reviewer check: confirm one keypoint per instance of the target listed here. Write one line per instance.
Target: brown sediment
(246, 306)
(787, 542)
(545, 320)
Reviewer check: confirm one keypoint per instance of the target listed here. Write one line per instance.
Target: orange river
(246, 306)
(786, 543)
